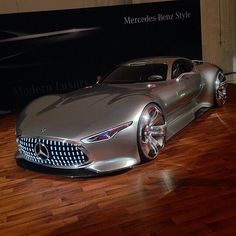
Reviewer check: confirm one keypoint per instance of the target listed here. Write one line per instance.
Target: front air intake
(52, 153)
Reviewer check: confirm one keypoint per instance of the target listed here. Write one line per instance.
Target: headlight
(107, 134)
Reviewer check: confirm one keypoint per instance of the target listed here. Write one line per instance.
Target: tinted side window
(188, 66)
(181, 66)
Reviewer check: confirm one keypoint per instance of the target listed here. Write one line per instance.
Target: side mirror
(178, 79)
(155, 78)
(185, 76)
(99, 79)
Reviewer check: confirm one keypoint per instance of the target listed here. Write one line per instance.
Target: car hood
(83, 112)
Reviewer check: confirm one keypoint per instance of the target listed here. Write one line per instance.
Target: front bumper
(69, 158)
(81, 172)
(72, 173)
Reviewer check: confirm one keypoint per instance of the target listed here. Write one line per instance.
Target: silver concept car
(124, 119)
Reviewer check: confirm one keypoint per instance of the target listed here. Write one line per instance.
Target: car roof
(153, 60)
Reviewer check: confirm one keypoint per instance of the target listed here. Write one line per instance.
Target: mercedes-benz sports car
(124, 119)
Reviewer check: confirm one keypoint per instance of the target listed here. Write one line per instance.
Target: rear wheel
(151, 132)
(220, 89)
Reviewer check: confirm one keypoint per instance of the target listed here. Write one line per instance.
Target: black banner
(59, 51)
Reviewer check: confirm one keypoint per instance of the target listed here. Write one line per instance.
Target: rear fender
(208, 73)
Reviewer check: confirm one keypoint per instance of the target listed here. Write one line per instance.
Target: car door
(187, 84)
(189, 81)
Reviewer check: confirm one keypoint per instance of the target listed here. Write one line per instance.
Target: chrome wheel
(151, 132)
(220, 89)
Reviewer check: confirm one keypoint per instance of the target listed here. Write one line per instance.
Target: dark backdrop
(58, 51)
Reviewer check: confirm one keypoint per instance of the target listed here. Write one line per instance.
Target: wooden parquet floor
(189, 190)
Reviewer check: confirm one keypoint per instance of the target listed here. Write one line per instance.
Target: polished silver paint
(75, 116)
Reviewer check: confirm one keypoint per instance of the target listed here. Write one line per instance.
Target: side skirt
(201, 111)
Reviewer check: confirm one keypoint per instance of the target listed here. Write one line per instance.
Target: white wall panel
(7, 6)
(10, 6)
(34, 5)
(219, 32)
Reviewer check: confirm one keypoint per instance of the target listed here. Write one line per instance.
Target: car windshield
(136, 73)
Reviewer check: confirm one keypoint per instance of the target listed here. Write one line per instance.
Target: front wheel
(151, 132)
(220, 89)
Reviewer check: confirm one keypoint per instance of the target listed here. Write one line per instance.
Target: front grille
(53, 153)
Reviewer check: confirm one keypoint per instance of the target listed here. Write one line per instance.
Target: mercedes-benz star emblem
(41, 151)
